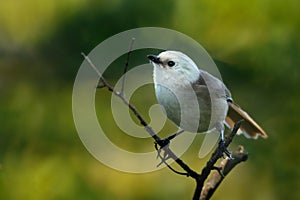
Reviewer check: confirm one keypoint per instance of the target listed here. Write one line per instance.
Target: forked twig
(210, 165)
(216, 178)
(143, 122)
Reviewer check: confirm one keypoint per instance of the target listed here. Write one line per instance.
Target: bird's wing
(212, 98)
(249, 127)
(235, 113)
(215, 86)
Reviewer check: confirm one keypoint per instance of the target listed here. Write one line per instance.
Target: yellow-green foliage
(41, 155)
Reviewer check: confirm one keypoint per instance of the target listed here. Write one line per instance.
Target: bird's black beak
(154, 59)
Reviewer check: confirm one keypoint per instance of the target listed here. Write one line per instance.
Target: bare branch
(103, 81)
(216, 178)
(141, 119)
(210, 165)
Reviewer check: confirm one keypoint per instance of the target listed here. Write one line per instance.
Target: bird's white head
(174, 66)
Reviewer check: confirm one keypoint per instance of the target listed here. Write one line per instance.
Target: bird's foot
(223, 149)
(164, 143)
(159, 146)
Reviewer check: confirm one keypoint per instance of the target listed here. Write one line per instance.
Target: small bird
(195, 100)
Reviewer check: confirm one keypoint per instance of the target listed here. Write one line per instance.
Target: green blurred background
(41, 156)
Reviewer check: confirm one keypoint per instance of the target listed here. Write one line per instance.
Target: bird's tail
(249, 127)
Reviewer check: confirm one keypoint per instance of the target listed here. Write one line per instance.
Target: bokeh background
(256, 46)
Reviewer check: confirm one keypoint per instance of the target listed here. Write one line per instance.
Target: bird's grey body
(201, 106)
(192, 98)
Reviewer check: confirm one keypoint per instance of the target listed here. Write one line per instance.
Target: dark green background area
(255, 44)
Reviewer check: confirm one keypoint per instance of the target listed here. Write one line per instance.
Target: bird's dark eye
(171, 63)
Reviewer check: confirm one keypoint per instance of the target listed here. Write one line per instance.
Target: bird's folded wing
(249, 127)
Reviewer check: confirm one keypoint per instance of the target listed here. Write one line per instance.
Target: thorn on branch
(101, 85)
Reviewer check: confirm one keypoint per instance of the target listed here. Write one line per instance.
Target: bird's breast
(184, 107)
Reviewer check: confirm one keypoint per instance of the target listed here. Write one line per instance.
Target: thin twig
(103, 81)
(175, 134)
(141, 119)
(165, 158)
(126, 66)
